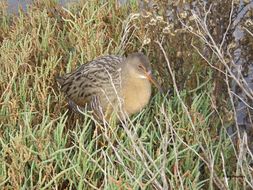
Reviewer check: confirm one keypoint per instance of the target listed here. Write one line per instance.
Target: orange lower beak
(153, 80)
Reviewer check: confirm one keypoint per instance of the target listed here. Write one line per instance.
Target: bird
(110, 84)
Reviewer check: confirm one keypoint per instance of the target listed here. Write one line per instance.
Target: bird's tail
(60, 80)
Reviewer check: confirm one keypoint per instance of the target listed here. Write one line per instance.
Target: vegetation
(180, 141)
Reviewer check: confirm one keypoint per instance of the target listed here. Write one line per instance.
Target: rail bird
(110, 84)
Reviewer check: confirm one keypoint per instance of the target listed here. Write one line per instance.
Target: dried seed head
(159, 18)
(179, 54)
(155, 6)
(166, 30)
(146, 14)
(134, 16)
(193, 17)
(183, 14)
(190, 28)
(146, 41)
(153, 22)
(249, 22)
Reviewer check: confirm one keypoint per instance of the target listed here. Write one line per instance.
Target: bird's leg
(97, 112)
(75, 108)
(72, 105)
(96, 107)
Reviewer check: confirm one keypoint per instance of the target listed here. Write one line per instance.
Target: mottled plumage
(110, 83)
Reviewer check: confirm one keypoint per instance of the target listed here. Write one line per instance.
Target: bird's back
(99, 78)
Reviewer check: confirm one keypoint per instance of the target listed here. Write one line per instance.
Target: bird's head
(139, 67)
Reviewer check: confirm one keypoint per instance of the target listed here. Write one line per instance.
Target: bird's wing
(90, 78)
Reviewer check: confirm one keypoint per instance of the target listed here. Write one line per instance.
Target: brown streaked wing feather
(88, 80)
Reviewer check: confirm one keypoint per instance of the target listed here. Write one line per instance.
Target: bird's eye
(140, 66)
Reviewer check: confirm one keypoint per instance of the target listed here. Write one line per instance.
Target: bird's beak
(151, 78)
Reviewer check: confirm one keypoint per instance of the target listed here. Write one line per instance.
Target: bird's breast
(136, 94)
